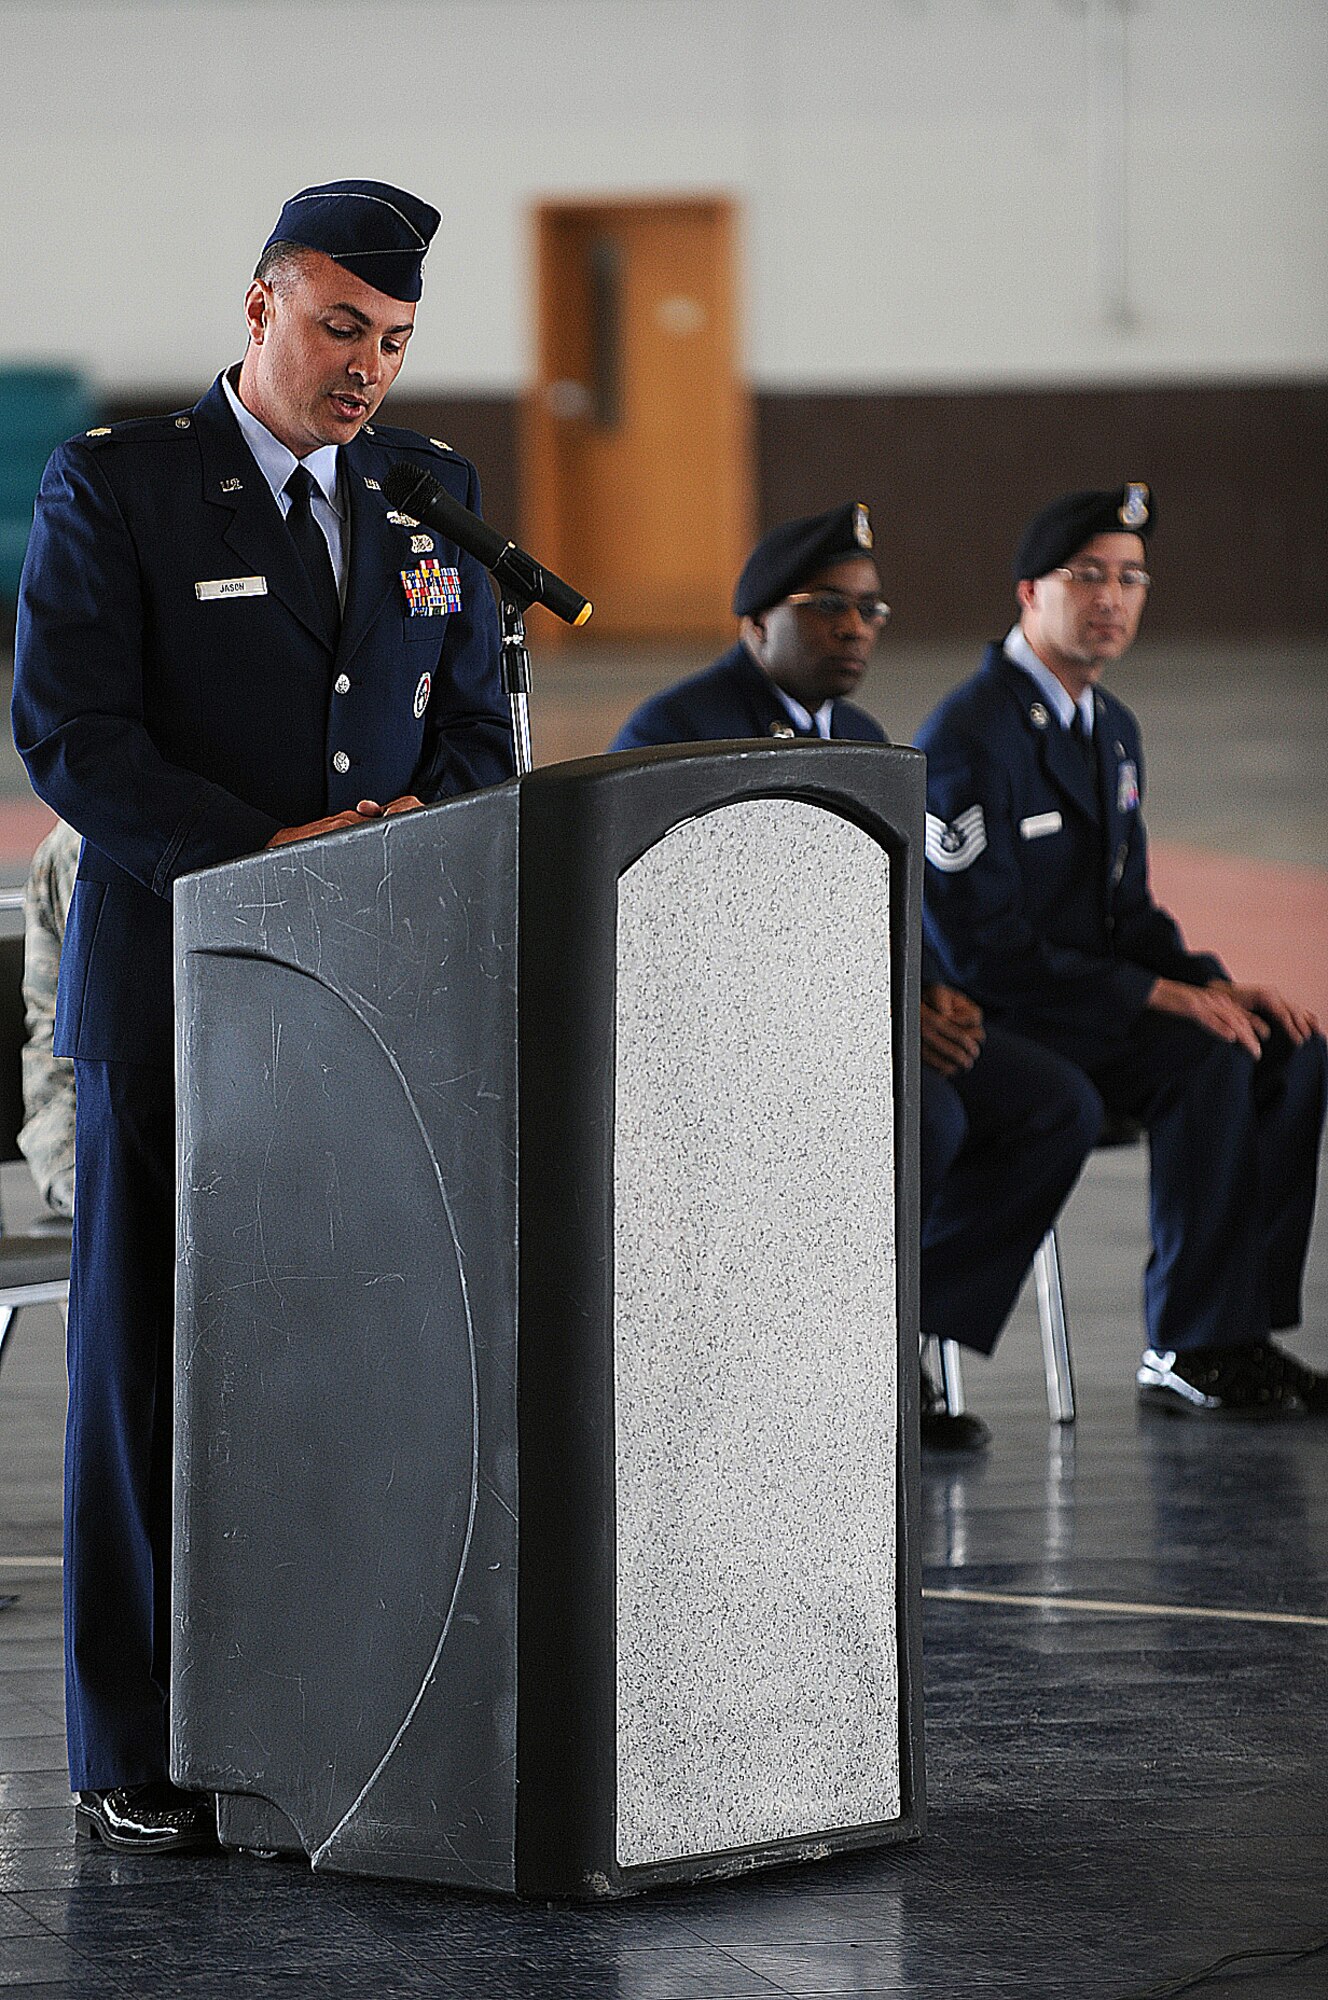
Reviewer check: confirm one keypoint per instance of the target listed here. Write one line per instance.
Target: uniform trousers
(1234, 1152)
(1002, 1145)
(118, 1442)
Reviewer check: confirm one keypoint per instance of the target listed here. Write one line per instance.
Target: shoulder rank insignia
(1133, 510)
(102, 431)
(958, 844)
(431, 591)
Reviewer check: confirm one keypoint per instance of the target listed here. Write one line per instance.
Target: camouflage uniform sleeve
(47, 1137)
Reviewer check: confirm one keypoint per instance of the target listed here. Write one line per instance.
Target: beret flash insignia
(1133, 510)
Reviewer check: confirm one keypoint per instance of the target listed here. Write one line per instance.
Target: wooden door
(636, 474)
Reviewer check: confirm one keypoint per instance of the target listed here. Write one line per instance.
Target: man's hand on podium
(338, 822)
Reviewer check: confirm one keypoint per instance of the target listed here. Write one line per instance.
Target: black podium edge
(581, 825)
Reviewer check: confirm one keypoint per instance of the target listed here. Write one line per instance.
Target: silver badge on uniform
(422, 695)
(1038, 716)
(421, 545)
(1133, 510)
(232, 486)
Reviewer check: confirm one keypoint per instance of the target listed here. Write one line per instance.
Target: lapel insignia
(182, 423)
(957, 845)
(1038, 716)
(431, 591)
(372, 484)
(1127, 786)
(232, 486)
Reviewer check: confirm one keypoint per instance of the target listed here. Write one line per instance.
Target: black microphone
(419, 494)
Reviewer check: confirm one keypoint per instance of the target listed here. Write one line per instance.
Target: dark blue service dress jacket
(177, 701)
(1036, 894)
(731, 700)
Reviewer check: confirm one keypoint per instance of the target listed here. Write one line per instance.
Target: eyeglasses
(834, 604)
(1092, 576)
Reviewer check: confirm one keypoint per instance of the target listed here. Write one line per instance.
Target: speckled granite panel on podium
(754, 1347)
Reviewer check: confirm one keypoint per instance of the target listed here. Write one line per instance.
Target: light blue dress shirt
(276, 463)
(1059, 699)
(818, 724)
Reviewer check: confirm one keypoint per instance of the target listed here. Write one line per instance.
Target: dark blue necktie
(311, 542)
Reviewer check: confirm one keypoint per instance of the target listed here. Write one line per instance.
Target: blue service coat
(1036, 890)
(729, 701)
(177, 728)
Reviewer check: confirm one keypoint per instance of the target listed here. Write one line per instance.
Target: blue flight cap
(379, 233)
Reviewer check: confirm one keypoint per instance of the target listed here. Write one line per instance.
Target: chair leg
(1055, 1333)
(952, 1378)
(942, 1357)
(9, 1315)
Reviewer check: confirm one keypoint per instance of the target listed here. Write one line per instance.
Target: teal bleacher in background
(39, 409)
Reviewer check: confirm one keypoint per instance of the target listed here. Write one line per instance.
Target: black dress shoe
(941, 1431)
(148, 1819)
(1253, 1380)
(1310, 1384)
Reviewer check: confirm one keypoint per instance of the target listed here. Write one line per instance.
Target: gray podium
(547, 1327)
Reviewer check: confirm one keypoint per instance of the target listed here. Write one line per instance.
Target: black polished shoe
(1253, 1380)
(941, 1431)
(1310, 1384)
(148, 1819)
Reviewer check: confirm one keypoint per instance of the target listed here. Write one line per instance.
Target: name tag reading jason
(231, 586)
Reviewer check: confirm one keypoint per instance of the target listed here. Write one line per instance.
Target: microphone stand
(516, 674)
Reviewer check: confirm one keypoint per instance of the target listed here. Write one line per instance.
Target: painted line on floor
(31, 1562)
(1122, 1608)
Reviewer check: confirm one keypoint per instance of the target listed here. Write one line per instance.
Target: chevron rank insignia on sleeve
(958, 844)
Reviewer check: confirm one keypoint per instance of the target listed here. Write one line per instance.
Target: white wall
(936, 192)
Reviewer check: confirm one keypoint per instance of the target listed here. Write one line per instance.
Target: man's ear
(1026, 591)
(752, 633)
(257, 301)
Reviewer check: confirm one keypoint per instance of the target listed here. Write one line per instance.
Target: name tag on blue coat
(230, 586)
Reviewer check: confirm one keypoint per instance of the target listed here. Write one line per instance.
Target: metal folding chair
(1052, 1320)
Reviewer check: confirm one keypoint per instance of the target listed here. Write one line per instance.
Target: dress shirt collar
(810, 725)
(1060, 699)
(275, 460)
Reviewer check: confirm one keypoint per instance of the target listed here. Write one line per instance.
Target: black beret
(1061, 529)
(788, 555)
(380, 233)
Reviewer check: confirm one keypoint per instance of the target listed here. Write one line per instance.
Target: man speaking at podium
(226, 641)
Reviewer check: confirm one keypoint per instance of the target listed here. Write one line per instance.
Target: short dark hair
(278, 262)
